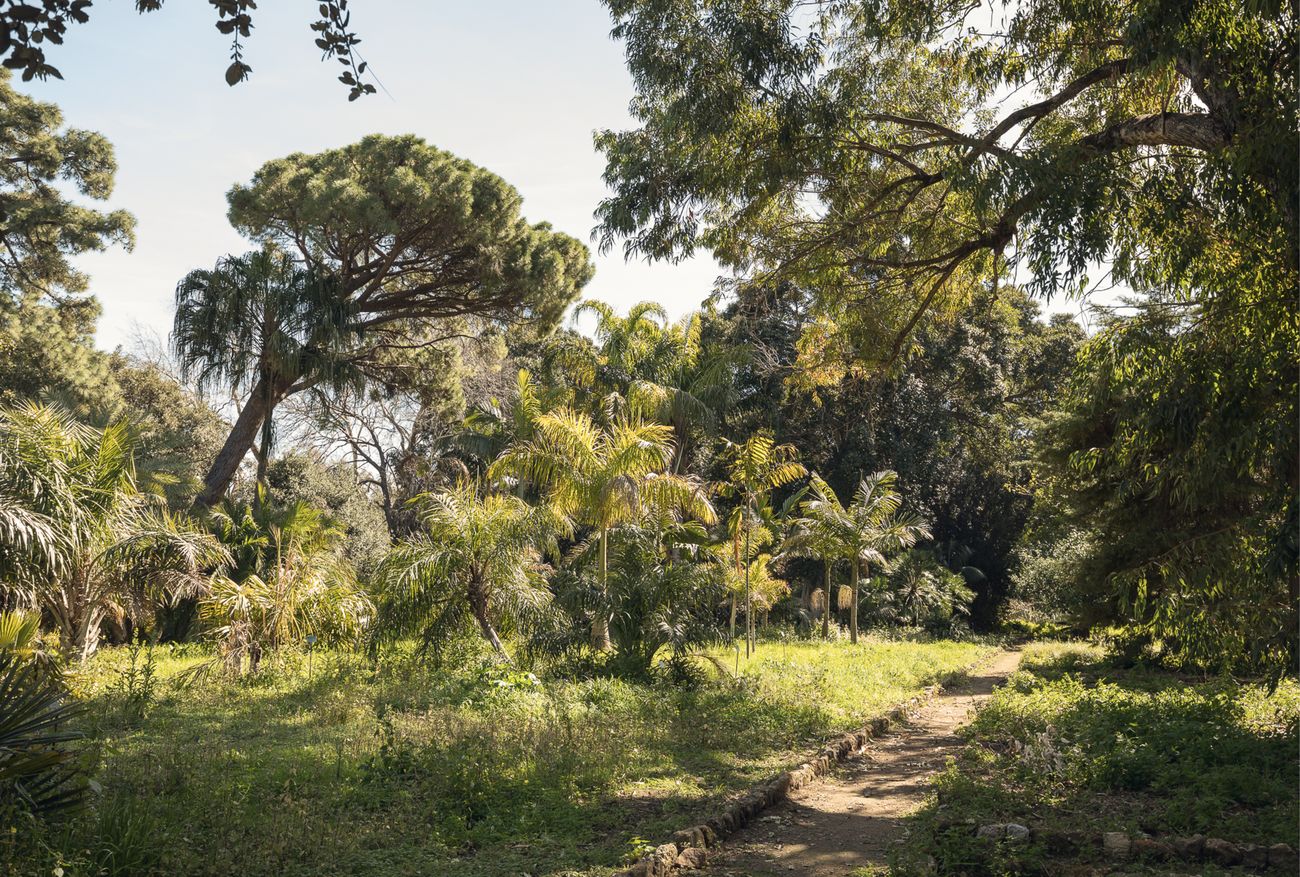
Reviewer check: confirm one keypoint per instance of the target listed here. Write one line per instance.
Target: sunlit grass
(401, 769)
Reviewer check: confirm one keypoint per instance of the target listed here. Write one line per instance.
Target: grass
(1073, 747)
(395, 767)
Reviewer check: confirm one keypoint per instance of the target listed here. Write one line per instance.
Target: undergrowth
(396, 766)
(1073, 747)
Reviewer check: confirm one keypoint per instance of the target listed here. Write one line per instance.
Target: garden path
(848, 822)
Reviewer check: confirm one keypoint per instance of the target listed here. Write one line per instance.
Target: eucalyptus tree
(90, 541)
(755, 467)
(871, 146)
(402, 241)
(869, 152)
(864, 532)
(603, 478)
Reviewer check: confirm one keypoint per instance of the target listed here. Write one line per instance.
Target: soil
(851, 819)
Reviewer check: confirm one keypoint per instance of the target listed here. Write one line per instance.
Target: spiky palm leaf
(37, 769)
(604, 478)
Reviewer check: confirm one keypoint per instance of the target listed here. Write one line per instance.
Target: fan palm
(37, 771)
(263, 327)
(109, 546)
(603, 479)
(756, 466)
(476, 559)
(862, 532)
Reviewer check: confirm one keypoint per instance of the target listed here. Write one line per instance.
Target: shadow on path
(851, 819)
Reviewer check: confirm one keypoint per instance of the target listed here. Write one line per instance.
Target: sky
(516, 87)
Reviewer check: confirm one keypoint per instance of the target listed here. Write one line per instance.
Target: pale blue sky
(517, 87)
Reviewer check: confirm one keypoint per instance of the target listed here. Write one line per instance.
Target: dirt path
(849, 820)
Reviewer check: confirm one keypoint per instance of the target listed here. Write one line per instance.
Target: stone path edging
(690, 847)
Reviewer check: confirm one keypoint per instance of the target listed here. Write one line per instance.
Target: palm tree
(476, 556)
(658, 370)
(813, 536)
(101, 544)
(862, 533)
(757, 466)
(262, 327)
(687, 385)
(603, 479)
(288, 582)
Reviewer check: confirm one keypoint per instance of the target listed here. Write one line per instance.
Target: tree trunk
(749, 624)
(733, 616)
(478, 604)
(259, 405)
(600, 622)
(853, 609)
(826, 602)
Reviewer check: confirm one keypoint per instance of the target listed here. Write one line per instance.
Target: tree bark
(478, 604)
(259, 405)
(853, 609)
(826, 601)
(600, 621)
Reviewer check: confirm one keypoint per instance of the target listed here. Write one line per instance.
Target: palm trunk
(749, 624)
(733, 616)
(826, 602)
(600, 623)
(853, 609)
(478, 604)
(258, 407)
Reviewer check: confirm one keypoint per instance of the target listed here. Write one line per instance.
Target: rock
(1254, 857)
(1189, 849)
(1221, 852)
(1016, 832)
(1283, 857)
(1116, 844)
(692, 857)
(1147, 848)
(996, 831)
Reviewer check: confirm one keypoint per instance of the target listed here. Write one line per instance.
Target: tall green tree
(867, 147)
(261, 327)
(43, 166)
(402, 240)
(603, 478)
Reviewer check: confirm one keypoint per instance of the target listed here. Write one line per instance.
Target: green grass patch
(354, 767)
(1072, 747)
